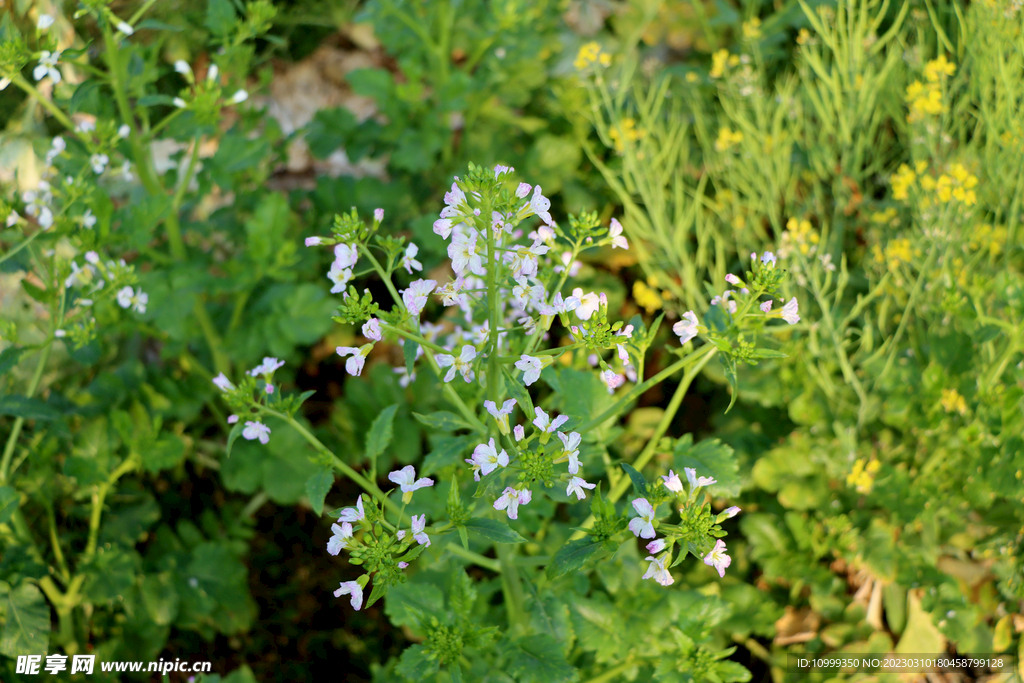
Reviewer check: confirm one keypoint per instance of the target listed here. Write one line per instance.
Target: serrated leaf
(28, 408)
(317, 487)
(463, 595)
(408, 600)
(464, 536)
(709, 457)
(639, 483)
(442, 420)
(571, 556)
(550, 615)
(413, 665)
(27, 627)
(236, 432)
(9, 358)
(447, 451)
(220, 17)
(537, 659)
(381, 432)
(9, 502)
(493, 530)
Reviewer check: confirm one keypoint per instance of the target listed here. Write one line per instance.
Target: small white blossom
(124, 297)
(415, 297)
(687, 327)
(576, 485)
(179, 103)
(695, 481)
(717, 558)
(45, 22)
(99, 163)
(418, 526)
(672, 483)
(339, 541)
(615, 232)
(768, 257)
(464, 253)
(371, 329)
(355, 590)
(732, 279)
(462, 364)
(353, 365)
(256, 430)
(766, 306)
(47, 66)
(519, 433)
(378, 215)
(487, 458)
(545, 423)
(789, 312)
(656, 546)
(340, 276)
(313, 241)
(407, 481)
(588, 303)
(88, 219)
(658, 571)
(223, 383)
(239, 97)
(511, 499)
(501, 416)
(570, 449)
(409, 261)
(267, 367)
(182, 67)
(531, 367)
(642, 526)
(353, 515)
(612, 380)
(729, 513)
(523, 190)
(125, 28)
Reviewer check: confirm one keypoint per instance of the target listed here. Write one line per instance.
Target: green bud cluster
(586, 226)
(765, 278)
(444, 643)
(348, 228)
(356, 309)
(537, 467)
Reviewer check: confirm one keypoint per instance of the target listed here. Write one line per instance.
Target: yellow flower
(625, 132)
(863, 475)
(800, 233)
(752, 29)
(952, 401)
(985, 235)
(923, 100)
(591, 54)
(692, 77)
(646, 297)
(804, 37)
(718, 63)
(937, 68)
(902, 181)
(898, 251)
(727, 138)
(883, 217)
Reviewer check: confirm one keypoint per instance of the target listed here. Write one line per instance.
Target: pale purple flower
(418, 526)
(570, 448)
(256, 430)
(465, 255)
(355, 590)
(267, 367)
(487, 457)
(232, 419)
(656, 546)
(378, 215)
(732, 279)
(407, 481)
(511, 499)
(314, 241)
(353, 365)
(576, 485)
(500, 170)
(687, 327)
(642, 526)
(269, 388)
(462, 364)
(588, 303)
(768, 257)
(371, 329)
(403, 565)
(346, 255)
(443, 227)
(717, 558)
(409, 261)
(523, 190)
(124, 297)
(695, 481)
(658, 571)
(615, 232)
(545, 423)
(519, 433)
(340, 276)
(415, 297)
(531, 367)
(789, 312)
(501, 416)
(612, 380)
(223, 383)
(672, 483)
(47, 66)
(623, 354)
(540, 204)
(728, 513)
(766, 306)
(339, 541)
(355, 514)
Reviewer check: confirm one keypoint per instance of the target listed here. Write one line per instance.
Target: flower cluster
(925, 99)
(863, 475)
(589, 54)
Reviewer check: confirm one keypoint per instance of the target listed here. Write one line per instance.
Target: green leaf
(28, 408)
(447, 451)
(571, 556)
(407, 601)
(414, 665)
(154, 100)
(163, 454)
(375, 83)
(442, 420)
(27, 627)
(317, 487)
(711, 458)
(329, 130)
(768, 353)
(729, 364)
(220, 17)
(85, 94)
(236, 432)
(550, 615)
(519, 392)
(37, 293)
(10, 500)
(462, 596)
(493, 530)
(537, 659)
(409, 350)
(380, 589)
(9, 358)
(160, 598)
(381, 432)
(156, 25)
(639, 482)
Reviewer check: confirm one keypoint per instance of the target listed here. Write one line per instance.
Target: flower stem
(476, 558)
(33, 386)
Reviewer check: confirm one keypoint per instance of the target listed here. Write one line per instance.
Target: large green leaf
(442, 420)
(494, 530)
(9, 502)
(317, 487)
(28, 408)
(381, 432)
(414, 665)
(571, 556)
(538, 659)
(27, 627)
(710, 458)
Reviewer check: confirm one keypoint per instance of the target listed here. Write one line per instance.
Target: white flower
(571, 449)
(409, 261)
(339, 276)
(613, 380)
(182, 67)
(501, 416)
(88, 220)
(443, 227)
(45, 22)
(47, 66)
(125, 28)
(452, 294)
(687, 327)
(766, 306)
(212, 73)
(371, 329)
(789, 311)
(501, 170)
(576, 485)
(540, 204)
(656, 546)
(463, 364)
(346, 255)
(695, 481)
(454, 202)
(179, 103)
(124, 297)
(256, 430)
(768, 257)
(523, 190)
(223, 383)
(732, 279)
(354, 589)
(355, 514)
(531, 367)
(588, 303)
(407, 481)
(339, 540)
(672, 483)
(642, 526)
(511, 499)
(267, 367)
(728, 513)
(418, 526)
(545, 424)
(519, 433)
(99, 163)
(523, 261)
(4, 82)
(658, 570)
(313, 241)
(239, 97)
(415, 297)
(79, 274)
(717, 558)
(464, 255)
(487, 458)
(378, 215)
(354, 365)
(615, 232)
(124, 131)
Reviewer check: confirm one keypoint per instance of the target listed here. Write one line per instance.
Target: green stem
(511, 587)
(47, 104)
(21, 246)
(33, 386)
(918, 285)
(612, 673)
(475, 558)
